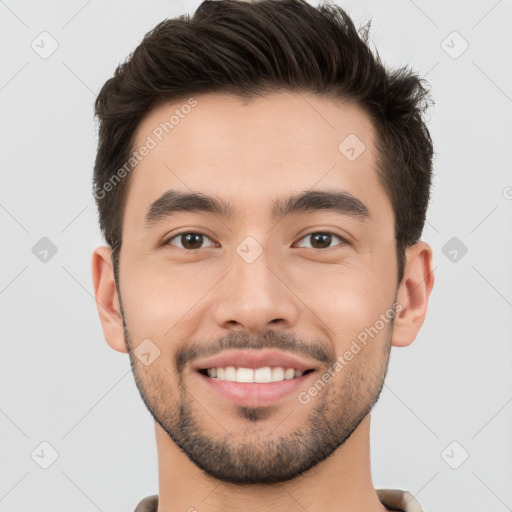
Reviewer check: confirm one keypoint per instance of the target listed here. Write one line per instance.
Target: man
(262, 182)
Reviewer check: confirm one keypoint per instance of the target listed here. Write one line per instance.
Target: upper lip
(251, 358)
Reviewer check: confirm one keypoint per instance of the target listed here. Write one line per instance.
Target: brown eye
(189, 240)
(322, 239)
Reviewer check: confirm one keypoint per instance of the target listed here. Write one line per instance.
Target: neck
(341, 483)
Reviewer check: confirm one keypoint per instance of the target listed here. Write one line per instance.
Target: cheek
(349, 299)
(157, 297)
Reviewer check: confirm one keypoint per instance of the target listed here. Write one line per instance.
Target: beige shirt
(392, 499)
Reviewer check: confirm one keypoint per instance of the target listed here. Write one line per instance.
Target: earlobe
(413, 294)
(107, 300)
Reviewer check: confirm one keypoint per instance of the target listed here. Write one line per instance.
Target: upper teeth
(265, 374)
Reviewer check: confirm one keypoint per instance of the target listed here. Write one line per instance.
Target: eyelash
(176, 235)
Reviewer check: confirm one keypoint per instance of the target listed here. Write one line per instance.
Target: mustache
(285, 341)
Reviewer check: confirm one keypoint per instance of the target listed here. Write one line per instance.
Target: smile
(262, 375)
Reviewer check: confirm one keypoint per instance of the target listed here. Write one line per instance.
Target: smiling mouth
(262, 375)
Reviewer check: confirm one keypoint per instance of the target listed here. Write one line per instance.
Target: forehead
(249, 152)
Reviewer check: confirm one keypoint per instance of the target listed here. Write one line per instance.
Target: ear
(413, 294)
(107, 299)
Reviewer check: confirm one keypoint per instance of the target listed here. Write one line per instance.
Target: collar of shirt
(393, 499)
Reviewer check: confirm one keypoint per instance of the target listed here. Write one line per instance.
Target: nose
(255, 296)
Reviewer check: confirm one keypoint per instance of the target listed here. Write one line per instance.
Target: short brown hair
(250, 49)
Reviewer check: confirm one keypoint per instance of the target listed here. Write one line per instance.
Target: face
(259, 271)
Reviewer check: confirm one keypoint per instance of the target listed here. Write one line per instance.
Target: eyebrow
(337, 201)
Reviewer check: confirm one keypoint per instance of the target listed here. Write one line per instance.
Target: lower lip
(255, 394)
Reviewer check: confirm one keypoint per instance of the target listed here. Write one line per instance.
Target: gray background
(61, 384)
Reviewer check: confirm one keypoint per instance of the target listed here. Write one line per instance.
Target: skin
(297, 294)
